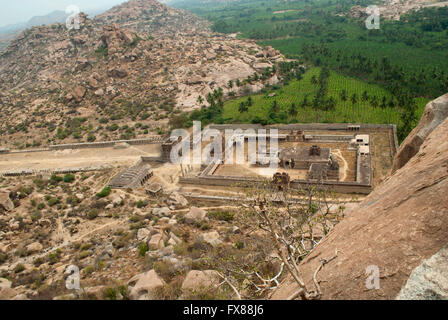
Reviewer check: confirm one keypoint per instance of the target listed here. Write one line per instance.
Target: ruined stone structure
(30, 172)
(167, 146)
(295, 136)
(324, 171)
(303, 158)
(281, 180)
(132, 178)
(323, 168)
(106, 144)
(154, 189)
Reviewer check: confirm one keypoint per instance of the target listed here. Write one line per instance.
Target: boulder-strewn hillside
(121, 75)
(153, 17)
(403, 222)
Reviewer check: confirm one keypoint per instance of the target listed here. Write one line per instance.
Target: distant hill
(9, 32)
(141, 62)
(53, 17)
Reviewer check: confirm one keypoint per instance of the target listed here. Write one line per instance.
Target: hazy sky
(16, 11)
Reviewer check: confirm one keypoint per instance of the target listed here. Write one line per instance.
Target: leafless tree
(296, 220)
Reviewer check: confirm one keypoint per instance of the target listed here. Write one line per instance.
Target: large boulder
(5, 283)
(195, 215)
(178, 200)
(156, 242)
(162, 212)
(261, 66)
(401, 223)
(200, 280)
(117, 73)
(6, 292)
(34, 247)
(143, 234)
(5, 201)
(144, 284)
(435, 113)
(211, 238)
(78, 93)
(429, 281)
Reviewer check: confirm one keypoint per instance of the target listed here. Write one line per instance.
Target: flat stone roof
(303, 154)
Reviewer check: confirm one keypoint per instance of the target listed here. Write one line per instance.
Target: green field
(415, 47)
(295, 92)
(404, 61)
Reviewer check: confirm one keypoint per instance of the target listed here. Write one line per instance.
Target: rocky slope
(126, 244)
(153, 17)
(435, 113)
(403, 222)
(394, 9)
(122, 74)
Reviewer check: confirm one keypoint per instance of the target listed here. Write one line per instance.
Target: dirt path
(345, 168)
(70, 158)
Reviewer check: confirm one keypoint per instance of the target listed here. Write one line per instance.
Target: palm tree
(331, 104)
(200, 100)
(354, 98)
(210, 99)
(238, 83)
(383, 103)
(274, 107)
(293, 110)
(391, 103)
(365, 96)
(305, 102)
(242, 107)
(343, 96)
(374, 101)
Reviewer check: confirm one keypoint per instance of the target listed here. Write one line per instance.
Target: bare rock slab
(199, 280)
(144, 284)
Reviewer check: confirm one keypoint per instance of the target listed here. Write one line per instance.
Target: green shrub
(91, 137)
(52, 201)
(83, 254)
(19, 268)
(104, 193)
(72, 200)
(37, 262)
(55, 179)
(69, 177)
(111, 293)
(92, 214)
(239, 245)
(142, 203)
(222, 215)
(88, 270)
(54, 257)
(35, 215)
(3, 257)
(142, 249)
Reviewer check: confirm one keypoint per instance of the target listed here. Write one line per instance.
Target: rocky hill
(401, 227)
(136, 65)
(153, 17)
